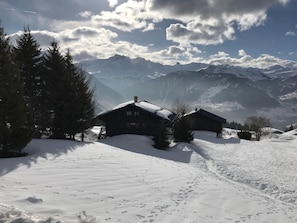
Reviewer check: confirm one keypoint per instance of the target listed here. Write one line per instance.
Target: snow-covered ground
(124, 179)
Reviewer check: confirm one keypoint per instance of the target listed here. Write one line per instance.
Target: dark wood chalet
(135, 117)
(204, 120)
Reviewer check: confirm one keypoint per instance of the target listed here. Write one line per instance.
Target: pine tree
(182, 132)
(161, 137)
(29, 59)
(13, 132)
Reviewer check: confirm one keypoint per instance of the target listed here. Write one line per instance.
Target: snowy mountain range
(230, 91)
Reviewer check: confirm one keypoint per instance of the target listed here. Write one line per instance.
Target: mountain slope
(119, 72)
(221, 93)
(269, 92)
(104, 96)
(253, 74)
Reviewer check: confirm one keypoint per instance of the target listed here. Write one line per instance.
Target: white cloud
(197, 33)
(112, 3)
(94, 42)
(245, 60)
(248, 20)
(31, 12)
(241, 53)
(197, 21)
(85, 14)
(89, 43)
(220, 54)
(128, 16)
(290, 33)
(284, 2)
(210, 22)
(149, 27)
(201, 22)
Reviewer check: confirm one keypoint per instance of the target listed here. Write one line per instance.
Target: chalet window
(130, 113)
(132, 125)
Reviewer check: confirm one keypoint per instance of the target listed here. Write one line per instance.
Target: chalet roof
(207, 114)
(147, 106)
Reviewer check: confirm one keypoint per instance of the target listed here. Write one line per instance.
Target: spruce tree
(14, 135)
(29, 59)
(81, 99)
(56, 90)
(71, 101)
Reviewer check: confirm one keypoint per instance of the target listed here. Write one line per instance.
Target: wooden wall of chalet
(131, 120)
(198, 121)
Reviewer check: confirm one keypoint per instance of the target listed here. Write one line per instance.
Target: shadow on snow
(144, 145)
(39, 149)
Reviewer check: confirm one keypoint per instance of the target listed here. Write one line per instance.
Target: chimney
(196, 109)
(135, 99)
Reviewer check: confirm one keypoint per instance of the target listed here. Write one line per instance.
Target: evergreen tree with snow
(14, 134)
(29, 59)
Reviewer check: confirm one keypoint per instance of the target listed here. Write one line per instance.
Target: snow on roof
(191, 112)
(122, 105)
(163, 113)
(271, 130)
(207, 114)
(147, 106)
(116, 107)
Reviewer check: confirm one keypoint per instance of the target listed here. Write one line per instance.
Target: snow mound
(13, 215)
(10, 213)
(83, 217)
(34, 200)
(290, 135)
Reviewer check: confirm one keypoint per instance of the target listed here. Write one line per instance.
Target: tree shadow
(144, 145)
(37, 150)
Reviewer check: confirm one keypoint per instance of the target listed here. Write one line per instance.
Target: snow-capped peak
(253, 74)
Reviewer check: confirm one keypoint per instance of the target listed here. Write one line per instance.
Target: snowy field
(124, 179)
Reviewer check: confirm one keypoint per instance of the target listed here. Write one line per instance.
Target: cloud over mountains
(166, 31)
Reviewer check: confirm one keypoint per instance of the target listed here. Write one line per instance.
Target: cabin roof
(207, 114)
(146, 106)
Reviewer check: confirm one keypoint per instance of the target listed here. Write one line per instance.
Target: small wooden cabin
(204, 120)
(135, 117)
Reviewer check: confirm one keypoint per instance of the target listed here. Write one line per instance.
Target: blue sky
(257, 33)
